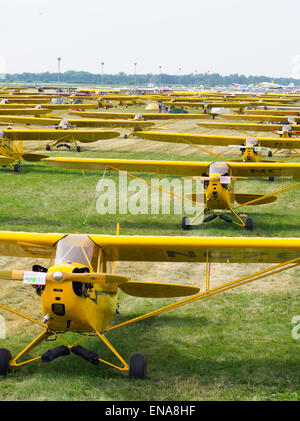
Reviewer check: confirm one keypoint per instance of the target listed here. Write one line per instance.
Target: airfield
(237, 345)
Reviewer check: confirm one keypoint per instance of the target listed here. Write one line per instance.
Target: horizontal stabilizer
(157, 290)
(247, 197)
(34, 157)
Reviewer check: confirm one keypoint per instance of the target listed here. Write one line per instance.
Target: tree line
(121, 78)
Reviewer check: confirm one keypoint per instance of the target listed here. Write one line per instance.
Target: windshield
(77, 248)
(219, 168)
(252, 141)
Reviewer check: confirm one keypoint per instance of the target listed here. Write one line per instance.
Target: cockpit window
(219, 168)
(77, 248)
(252, 141)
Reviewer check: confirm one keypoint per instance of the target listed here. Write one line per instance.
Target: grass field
(234, 346)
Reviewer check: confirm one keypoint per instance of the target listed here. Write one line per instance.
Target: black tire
(271, 178)
(5, 358)
(138, 366)
(78, 149)
(48, 148)
(185, 223)
(249, 224)
(17, 168)
(270, 154)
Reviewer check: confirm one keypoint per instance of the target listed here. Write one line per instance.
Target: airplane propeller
(40, 278)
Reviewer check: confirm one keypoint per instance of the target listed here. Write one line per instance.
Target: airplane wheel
(271, 178)
(17, 168)
(78, 149)
(48, 148)
(5, 358)
(185, 223)
(249, 224)
(125, 136)
(138, 366)
(270, 154)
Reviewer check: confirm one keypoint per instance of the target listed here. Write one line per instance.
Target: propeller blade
(32, 277)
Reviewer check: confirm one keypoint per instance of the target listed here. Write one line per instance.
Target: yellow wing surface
(84, 136)
(245, 126)
(180, 168)
(78, 123)
(160, 248)
(145, 116)
(261, 117)
(24, 111)
(197, 139)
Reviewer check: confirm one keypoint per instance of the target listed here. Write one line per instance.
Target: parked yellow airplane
(11, 142)
(218, 181)
(79, 287)
(66, 123)
(251, 147)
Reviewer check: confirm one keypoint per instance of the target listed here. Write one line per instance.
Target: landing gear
(185, 223)
(138, 366)
(48, 148)
(271, 178)
(78, 149)
(270, 154)
(17, 168)
(5, 358)
(249, 224)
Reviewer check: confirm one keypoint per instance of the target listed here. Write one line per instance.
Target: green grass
(234, 346)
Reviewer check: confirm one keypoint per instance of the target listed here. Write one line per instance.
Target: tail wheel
(138, 366)
(5, 358)
(249, 224)
(185, 223)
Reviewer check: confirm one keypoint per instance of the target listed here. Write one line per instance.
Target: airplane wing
(145, 116)
(180, 168)
(78, 123)
(25, 244)
(198, 139)
(246, 126)
(161, 248)
(198, 249)
(84, 136)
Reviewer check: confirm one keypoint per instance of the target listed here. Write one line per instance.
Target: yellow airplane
(218, 181)
(79, 287)
(283, 130)
(251, 147)
(64, 123)
(11, 142)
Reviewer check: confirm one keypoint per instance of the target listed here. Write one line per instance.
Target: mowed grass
(234, 346)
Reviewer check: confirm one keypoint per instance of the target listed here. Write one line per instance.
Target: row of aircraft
(79, 287)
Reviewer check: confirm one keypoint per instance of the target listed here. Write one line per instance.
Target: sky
(257, 37)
